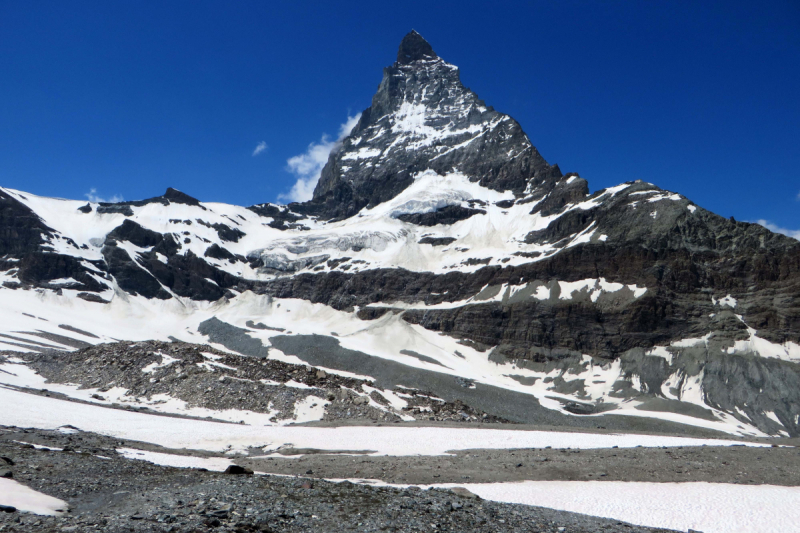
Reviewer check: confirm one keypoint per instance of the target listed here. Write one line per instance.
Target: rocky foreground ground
(109, 493)
(106, 491)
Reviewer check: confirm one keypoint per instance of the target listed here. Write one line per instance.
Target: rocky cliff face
(439, 246)
(423, 118)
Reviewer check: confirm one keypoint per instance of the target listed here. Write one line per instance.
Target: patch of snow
(772, 416)
(605, 195)
(788, 351)
(166, 360)
(363, 153)
(27, 500)
(688, 343)
(661, 351)
(728, 301)
(214, 464)
(542, 293)
(394, 399)
(673, 197)
(583, 237)
(40, 447)
(595, 287)
(309, 409)
(211, 366)
(63, 281)
(297, 384)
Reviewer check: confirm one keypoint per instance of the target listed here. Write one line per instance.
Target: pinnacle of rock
(414, 47)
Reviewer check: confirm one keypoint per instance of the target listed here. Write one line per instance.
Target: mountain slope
(440, 252)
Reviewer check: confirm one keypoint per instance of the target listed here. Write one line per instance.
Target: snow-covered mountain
(440, 252)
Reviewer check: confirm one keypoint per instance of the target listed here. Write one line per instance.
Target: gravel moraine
(203, 376)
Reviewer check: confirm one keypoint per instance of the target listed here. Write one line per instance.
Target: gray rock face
(423, 118)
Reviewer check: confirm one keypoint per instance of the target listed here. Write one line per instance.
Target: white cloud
(308, 165)
(795, 233)
(260, 147)
(94, 198)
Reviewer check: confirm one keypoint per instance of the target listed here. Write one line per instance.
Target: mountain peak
(423, 118)
(414, 47)
(179, 197)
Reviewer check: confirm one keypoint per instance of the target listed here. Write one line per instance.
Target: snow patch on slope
(27, 500)
(25, 410)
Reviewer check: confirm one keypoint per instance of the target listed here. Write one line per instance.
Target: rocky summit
(440, 256)
(423, 119)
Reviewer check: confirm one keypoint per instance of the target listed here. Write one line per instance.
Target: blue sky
(128, 98)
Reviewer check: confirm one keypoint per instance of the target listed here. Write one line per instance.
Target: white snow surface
(727, 301)
(697, 506)
(788, 351)
(214, 464)
(706, 507)
(33, 411)
(166, 360)
(27, 500)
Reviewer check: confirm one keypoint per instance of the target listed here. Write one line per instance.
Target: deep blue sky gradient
(702, 98)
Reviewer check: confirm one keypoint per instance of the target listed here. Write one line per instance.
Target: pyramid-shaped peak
(180, 197)
(414, 47)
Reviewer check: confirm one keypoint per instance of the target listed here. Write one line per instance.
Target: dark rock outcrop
(282, 216)
(446, 215)
(437, 241)
(21, 230)
(170, 196)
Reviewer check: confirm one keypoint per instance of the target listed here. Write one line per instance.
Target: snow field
(26, 410)
(706, 507)
(699, 506)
